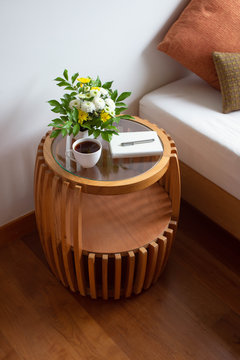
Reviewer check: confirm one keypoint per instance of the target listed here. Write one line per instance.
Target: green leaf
(74, 77)
(86, 125)
(106, 136)
(65, 74)
(59, 79)
(119, 110)
(96, 133)
(123, 96)
(63, 83)
(55, 133)
(59, 109)
(107, 85)
(57, 122)
(67, 125)
(105, 124)
(114, 95)
(96, 82)
(64, 132)
(121, 104)
(54, 103)
(76, 129)
(75, 114)
(65, 118)
(70, 130)
(69, 87)
(126, 117)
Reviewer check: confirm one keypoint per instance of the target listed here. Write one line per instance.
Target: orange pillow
(203, 27)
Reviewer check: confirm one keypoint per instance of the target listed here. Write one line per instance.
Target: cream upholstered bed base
(211, 200)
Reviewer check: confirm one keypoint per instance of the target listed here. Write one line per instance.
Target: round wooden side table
(107, 231)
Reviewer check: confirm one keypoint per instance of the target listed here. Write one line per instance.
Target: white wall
(115, 39)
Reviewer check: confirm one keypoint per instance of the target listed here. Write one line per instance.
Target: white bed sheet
(207, 140)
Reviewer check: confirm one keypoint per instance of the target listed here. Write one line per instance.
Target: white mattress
(207, 140)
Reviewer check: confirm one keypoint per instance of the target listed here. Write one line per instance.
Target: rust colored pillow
(203, 27)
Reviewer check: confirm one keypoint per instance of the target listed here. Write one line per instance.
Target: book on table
(136, 144)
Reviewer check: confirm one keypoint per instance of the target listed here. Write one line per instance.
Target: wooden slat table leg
(168, 233)
(141, 270)
(105, 277)
(162, 247)
(92, 277)
(76, 200)
(130, 273)
(151, 264)
(46, 219)
(37, 188)
(65, 235)
(55, 239)
(175, 185)
(117, 280)
(39, 203)
(173, 225)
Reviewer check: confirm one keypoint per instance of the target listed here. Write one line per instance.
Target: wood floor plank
(6, 350)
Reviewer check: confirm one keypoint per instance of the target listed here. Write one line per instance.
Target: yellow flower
(105, 116)
(95, 88)
(84, 80)
(82, 116)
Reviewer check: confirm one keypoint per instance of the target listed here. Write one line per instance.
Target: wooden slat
(39, 161)
(65, 236)
(167, 181)
(91, 273)
(55, 210)
(46, 218)
(130, 273)
(173, 225)
(76, 201)
(162, 247)
(38, 201)
(168, 233)
(175, 186)
(141, 270)
(105, 277)
(117, 279)
(151, 264)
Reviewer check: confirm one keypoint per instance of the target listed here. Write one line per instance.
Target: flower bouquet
(89, 105)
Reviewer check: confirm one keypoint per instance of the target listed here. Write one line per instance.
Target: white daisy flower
(99, 103)
(75, 103)
(88, 95)
(88, 106)
(81, 96)
(95, 92)
(110, 103)
(103, 91)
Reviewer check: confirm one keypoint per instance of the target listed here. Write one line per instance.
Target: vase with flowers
(88, 106)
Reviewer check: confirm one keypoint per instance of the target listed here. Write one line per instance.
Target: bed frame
(211, 200)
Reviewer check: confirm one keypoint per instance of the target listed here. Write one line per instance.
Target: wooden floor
(192, 312)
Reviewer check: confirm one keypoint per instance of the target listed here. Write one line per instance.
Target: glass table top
(107, 168)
